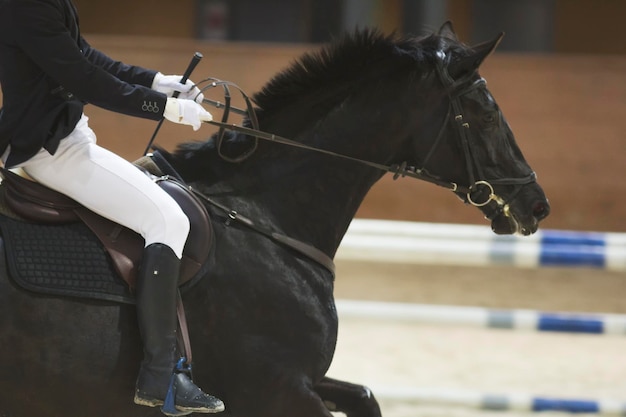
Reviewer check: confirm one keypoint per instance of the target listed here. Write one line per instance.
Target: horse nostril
(541, 209)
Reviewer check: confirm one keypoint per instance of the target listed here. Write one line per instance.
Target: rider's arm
(43, 35)
(131, 74)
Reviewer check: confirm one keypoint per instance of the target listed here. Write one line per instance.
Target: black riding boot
(156, 312)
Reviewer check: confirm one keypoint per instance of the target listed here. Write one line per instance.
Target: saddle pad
(63, 260)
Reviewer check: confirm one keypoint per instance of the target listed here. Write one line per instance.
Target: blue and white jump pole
(529, 320)
(500, 402)
(471, 245)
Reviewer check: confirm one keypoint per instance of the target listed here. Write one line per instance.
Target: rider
(48, 72)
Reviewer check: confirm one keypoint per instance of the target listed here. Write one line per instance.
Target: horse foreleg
(350, 399)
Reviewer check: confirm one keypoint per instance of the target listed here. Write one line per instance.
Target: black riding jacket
(48, 72)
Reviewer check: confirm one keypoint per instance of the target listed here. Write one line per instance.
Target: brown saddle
(37, 203)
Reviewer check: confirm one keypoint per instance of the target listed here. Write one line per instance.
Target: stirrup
(169, 404)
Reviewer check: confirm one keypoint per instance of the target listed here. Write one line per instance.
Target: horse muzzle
(517, 212)
(507, 219)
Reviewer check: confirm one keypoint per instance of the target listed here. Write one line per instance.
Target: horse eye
(490, 118)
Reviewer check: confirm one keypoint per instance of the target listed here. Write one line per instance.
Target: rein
(398, 170)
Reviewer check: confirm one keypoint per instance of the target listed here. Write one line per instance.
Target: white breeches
(112, 187)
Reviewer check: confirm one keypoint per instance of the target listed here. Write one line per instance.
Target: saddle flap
(200, 237)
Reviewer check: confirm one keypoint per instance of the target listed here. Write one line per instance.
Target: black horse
(263, 322)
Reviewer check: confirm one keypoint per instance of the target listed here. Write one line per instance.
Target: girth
(37, 203)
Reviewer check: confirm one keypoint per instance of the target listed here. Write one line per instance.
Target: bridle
(456, 90)
(478, 184)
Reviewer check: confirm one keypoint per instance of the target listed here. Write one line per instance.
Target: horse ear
(479, 53)
(483, 50)
(447, 31)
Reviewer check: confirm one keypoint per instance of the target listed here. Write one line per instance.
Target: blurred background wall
(582, 26)
(559, 76)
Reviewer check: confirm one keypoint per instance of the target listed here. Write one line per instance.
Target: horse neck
(311, 196)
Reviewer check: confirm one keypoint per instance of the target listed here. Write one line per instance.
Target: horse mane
(338, 62)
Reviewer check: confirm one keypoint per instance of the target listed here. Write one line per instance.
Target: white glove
(168, 84)
(186, 112)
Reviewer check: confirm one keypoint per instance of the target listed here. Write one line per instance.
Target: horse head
(474, 152)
